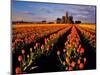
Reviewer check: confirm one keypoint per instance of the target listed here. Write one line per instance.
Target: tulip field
(38, 48)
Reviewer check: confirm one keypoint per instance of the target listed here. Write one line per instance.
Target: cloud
(25, 13)
(42, 17)
(81, 16)
(85, 19)
(32, 18)
(45, 9)
(17, 18)
(87, 10)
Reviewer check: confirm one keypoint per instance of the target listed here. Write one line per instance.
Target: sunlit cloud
(32, 18)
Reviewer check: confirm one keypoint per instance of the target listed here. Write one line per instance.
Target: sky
(39, 11)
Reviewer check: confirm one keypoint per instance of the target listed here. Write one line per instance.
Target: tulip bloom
(36, 45)
(64, 50)
(42, 47)
(23, 51)
(30, 49)
(18, 70)
(82, 50)
(84, 60)
(58, 52)
(81, 66)
(20, 58)
(78, 50)
(79, 61)
(64, 63)
(70, 68)
(73, 64)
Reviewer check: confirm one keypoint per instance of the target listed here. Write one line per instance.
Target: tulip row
(72, 56)
(27, 58)
(88, 27)
(89, 35)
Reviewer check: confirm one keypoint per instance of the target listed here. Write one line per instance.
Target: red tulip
(73, 43)
(73, 64)
(79, 61)
(82, 50)
(81, 66)
(70, 68)
(18, 70)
